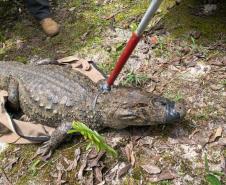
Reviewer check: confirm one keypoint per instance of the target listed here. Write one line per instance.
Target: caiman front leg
(13, 94)
(57, 137)
(10, 85)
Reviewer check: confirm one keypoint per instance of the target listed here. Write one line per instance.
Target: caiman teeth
(48, 107)
(41, 105)
(37, 98)
(63, 100)
(69, 103)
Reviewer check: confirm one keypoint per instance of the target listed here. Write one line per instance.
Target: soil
(181, 56)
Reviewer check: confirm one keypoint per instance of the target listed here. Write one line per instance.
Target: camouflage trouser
(38, 8)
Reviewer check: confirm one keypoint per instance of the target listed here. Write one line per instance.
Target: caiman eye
(138, 105)
(159, 102)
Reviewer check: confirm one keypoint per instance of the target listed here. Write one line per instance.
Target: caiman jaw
(171, 113)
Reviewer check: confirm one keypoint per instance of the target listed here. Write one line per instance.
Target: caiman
(54, 95)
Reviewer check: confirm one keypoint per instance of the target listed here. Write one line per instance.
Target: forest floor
(181, 56)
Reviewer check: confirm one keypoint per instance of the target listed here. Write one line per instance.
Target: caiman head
(125, 107)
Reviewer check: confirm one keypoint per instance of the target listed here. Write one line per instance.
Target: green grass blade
(206, 164)
(212, 180)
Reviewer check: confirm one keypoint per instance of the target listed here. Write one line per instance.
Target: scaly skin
(55, 96)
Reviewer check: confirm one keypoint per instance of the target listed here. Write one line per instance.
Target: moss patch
(180, 21)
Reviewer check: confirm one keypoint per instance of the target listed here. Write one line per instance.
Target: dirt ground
(181, 56)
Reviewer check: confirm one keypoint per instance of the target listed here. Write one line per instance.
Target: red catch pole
(133, 41)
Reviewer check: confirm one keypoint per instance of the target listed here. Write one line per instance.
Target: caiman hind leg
(57, 137)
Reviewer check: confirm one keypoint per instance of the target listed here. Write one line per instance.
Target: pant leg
(38, 8)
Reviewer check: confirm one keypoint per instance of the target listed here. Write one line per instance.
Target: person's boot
(50, 27)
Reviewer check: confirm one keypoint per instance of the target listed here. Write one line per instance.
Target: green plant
(95, 139)
(194, 45)
(133, 27)
(135, 79)
(212, 177)
(107, 67)
(224, 82)
(33, 168)
(164, 182)
(174, 96)
(120, 46)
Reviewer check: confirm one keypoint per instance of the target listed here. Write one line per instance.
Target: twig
(47, 163)
(115, 13)
(5, 178)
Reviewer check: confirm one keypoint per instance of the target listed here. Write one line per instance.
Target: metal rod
(147, 16)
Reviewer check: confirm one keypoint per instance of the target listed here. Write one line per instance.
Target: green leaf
(120, 46)
(33, 167)
(206, 164)
(133, 27)
(71, 131)
(220, 174)
(88, 146)
(212, 180)
(97, 148)
(95, 139)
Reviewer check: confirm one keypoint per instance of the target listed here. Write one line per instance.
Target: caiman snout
(174, 111)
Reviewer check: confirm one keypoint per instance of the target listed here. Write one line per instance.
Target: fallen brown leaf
(151, 88)
(110, 175)
(94, 162)
(54, 174)
(151, 169)
(154, 40)
(60, 167)
(16, 150)
(59, 178)
(124, 170)
(61, 170)
(214, 137)
(130, 153)
(146, 141)
(193, 133)
(69, 59)
(222, 141)
(11, 163)
(216, 87)
(216, 63)
(83, 165)
(98, 174)
(73, 164)
(92, 154)
(165, 175)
